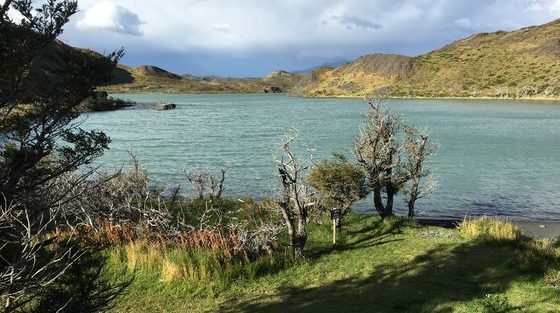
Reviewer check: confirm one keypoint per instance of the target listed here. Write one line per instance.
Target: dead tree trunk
(295, 200)
(378, 150)
(418, 149)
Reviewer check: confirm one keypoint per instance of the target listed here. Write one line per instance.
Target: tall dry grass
(490, 229)
(199, 265)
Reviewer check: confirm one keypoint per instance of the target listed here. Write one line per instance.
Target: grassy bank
(375, 267)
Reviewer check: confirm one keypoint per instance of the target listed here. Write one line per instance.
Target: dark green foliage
(85, 286)
(42, 84)
(338, 182)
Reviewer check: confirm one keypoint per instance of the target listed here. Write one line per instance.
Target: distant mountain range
(519, 64)
(147, 78)
(333, 63)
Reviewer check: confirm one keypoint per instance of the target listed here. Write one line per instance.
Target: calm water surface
(495, 157)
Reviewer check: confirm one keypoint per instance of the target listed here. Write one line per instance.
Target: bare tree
(296, 199)
(25, 274)
(378, 150)
(418, 150)
(206, 182)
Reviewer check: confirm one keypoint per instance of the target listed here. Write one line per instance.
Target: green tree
(42, 84)
(338, 182)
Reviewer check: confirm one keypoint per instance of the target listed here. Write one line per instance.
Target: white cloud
(223, 27)
(552, 6)
(110, 16)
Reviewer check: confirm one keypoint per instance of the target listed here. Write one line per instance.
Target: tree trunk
(412, 199)
(390, 196)
(298, 243)
(387, 209)
(300, 237)
(378, 202)
(411, 209)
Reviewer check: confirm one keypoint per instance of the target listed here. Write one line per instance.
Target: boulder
(164, 106)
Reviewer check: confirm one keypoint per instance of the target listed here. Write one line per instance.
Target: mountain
(333, 63)
(519, 64)
(147, 78)
(522, 63)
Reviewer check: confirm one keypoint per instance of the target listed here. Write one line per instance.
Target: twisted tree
(393, 155)
(379, 151)
(418, 150)
(296, 200)
(42, 84)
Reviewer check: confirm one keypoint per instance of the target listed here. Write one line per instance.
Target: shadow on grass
(375, 233)
(84, 286)
(432, 282)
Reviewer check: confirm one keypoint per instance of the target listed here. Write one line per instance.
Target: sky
(245, 38)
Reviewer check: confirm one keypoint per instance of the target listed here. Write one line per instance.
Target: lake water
(495, 157)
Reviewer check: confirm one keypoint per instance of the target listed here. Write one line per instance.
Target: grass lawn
(375, 267)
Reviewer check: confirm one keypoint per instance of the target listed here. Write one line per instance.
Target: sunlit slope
(522, 63)
(153, 79)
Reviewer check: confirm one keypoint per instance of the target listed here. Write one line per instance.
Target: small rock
(433, 233)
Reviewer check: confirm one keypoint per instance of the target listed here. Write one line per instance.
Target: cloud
(225, 28)
(463, 22)
(289, 34)
(110, 16)
(353, 22)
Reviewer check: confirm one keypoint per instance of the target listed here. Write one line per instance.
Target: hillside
(523, 63)
(518, 64)
(147, 78)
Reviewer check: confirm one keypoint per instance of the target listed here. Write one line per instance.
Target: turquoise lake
(496, 157)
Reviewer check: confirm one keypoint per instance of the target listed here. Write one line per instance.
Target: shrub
(552, 278)
(497, 304)
(338, 182)
(490, 229)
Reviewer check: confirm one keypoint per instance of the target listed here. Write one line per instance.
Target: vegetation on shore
(392, 266)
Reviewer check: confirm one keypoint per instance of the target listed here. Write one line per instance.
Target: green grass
(375, 267)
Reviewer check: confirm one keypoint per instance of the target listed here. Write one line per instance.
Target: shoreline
(538, 98)
(543, 229)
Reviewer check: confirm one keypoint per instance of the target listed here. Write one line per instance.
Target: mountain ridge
(523, 63)
(516, 64)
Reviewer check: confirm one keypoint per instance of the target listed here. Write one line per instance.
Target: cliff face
(522, 63)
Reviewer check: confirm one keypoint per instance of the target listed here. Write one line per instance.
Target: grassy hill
(523, 63)
(147, 78)
(520, 64)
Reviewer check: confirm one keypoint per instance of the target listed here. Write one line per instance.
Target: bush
(497, 304)
(339, 183)
(490, 229)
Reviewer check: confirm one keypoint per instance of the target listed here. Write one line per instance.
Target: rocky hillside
(147, 78)
(522, 63)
